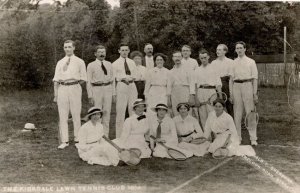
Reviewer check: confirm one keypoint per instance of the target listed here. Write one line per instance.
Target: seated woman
(222, 126)
(163, 128)
(134, 130)
(92, 147)
(188, 128)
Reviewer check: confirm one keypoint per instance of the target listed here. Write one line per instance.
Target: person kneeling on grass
(188, 128)
(134, 130)
(163, 128)
(226, 142)
(92, 147)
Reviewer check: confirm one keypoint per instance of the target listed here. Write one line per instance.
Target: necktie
(158, 131)
(141, 117)
(103, 68)
(127, 71)
(65, 68)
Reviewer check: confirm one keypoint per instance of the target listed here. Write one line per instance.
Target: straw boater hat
(93, 111)
(183, 104)
(29, 127)
(160, 106)
(139, 102)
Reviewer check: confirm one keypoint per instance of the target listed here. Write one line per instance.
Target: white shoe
(254, 142)
(63, 145)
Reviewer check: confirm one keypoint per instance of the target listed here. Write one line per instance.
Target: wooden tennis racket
(129, 156)
(251, 119)
(173, 153)
(213, 97)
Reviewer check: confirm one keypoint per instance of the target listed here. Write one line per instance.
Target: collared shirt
(96, 74)
(134, 128)
(223, 66)
(149, 62)
(244, 68)
(140, 73)
(157, 77)
(219, 124)
(168, 129)
(205, 76)
(187, 125)
(189, 64)
(119, 70)
(179, 76)
(89, 133)
(76, 69)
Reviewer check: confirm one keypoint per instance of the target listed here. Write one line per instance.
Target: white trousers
(179, 94)
(243, 99)
(102, 96)
(157, 94)
(126, 95)
(69, 99)
(203, 95)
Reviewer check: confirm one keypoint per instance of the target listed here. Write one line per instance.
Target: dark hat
(139, 102)
(92, 111)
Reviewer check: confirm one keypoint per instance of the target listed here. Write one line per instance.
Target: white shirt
(89, 133)
(96, 74)
(149, 62)
(140, 73)
(179, 76)
(205, 76)
(157, 77)
(244, 68)
(189, 64)
(187, 125)
(223, 66)
(76, 70)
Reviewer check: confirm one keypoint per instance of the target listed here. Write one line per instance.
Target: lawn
(33, 159)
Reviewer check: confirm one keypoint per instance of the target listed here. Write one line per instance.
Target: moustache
(102, 56)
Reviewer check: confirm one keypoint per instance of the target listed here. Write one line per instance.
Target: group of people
(159, 101)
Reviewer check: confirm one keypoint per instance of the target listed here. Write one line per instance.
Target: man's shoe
(63, 145)
(254, 142)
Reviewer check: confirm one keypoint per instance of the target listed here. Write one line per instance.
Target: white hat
(139, 102)
(29, 127)
(92, 111)
(160, 106)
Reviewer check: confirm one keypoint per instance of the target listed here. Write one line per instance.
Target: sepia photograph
(149, 96)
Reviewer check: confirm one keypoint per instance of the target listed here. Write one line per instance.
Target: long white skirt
(196, 149)
(161, 151)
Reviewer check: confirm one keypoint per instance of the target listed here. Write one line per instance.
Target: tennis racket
(173, 153)
(251, 119)
(130, 157)
(222, 152)
(212, 98)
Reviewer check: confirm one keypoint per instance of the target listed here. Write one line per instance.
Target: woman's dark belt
(101, 84)
(186, 134)
(207, 87)
(69, 83)
(92, 142)
(243, 81)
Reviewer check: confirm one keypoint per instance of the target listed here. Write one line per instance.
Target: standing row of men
(187, 82)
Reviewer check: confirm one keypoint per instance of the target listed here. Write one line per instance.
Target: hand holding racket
(251, 119)
(212, 98)
(173, 153)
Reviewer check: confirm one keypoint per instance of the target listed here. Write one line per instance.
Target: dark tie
(103, 68)
(141, 117)
(158, 131)
(65, 68)
(127, 71)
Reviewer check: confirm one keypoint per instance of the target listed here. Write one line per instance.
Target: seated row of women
(177, 133)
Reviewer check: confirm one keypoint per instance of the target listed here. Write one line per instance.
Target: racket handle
(112, 143)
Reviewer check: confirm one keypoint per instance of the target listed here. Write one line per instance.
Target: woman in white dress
(188, 128)
(157, 82)
(163, 128)
(91, 146)
(222, 126)
(134, 130)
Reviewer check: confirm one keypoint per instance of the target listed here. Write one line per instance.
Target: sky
(111, 2)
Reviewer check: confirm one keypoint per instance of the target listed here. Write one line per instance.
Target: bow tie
(141, 117)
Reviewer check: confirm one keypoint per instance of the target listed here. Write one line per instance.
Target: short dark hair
(123, 44)
(241, 42)
(70, 41)
(99, 47)
(161, 55)
(218, 100)
(203, 51)
(136, 53)
(176, 51)
(146, 44)
(187, 46)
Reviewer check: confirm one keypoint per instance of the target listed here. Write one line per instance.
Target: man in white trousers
(243, 88)
(99, 85)
(70, 73)
(124, 89)
(148, 50)
(180, 79)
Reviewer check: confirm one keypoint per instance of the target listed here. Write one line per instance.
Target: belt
(225, 78)
(158, 85)
(69, 83)
(187, 134)
(139, 81)
(101, 84)
(92, 142)
(207, 87)
(242, 81)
